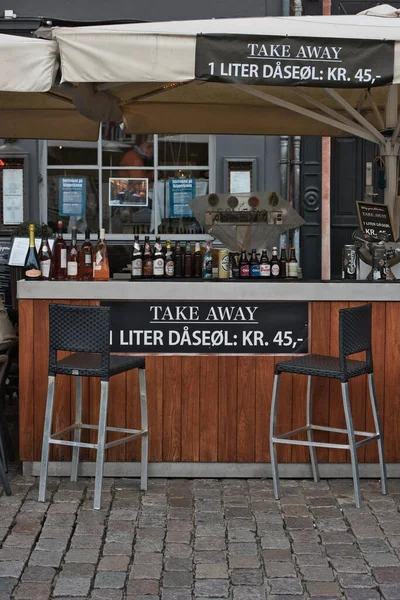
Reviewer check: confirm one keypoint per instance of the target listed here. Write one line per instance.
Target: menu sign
(312, 62)
(209, 327)
(375, 219)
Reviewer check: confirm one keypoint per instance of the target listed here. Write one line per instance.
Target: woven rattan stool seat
(88, 364)
(320, 365)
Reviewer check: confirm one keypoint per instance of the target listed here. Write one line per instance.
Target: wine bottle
(147, 259)
(32, 265)
(45, 256)
(158, 259)
(60, 255)
(197, 261)
(207, 262)
(137, 260)
(73, 258)
(169, 261)
(101, 269)
(86, 258)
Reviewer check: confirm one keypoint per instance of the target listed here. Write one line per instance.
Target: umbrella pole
(390, 152)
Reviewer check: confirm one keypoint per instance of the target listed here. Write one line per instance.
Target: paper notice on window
(240, 182)
(19, 250)
(13, 196)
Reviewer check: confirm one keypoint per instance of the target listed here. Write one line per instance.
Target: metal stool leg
(144, 427)
(310, 433)
(101, 440)
(4, 480)
(46, 438)
(77, 432)
(352, 443)
(378, 430)
(3, 456)
(272, 445)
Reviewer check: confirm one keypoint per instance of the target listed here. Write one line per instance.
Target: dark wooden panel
(379, 333)
(284, 412)
(41, 354)
(246, 423)
(155, 385)
(320, 344)
(26, 397)
(209, 372)
(264, 383)
(391, 417)
(227, 418)
(336, 413)
(190, 408)
(172, 408)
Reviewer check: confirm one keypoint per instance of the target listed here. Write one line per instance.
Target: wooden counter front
(215, 408)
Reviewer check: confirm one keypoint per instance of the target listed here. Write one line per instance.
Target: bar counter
(209, 413)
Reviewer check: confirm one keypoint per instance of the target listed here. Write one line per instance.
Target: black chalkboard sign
(374, 219)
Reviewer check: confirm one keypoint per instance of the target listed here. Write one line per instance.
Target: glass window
(183, 150)
(174, 191)
(72, 153)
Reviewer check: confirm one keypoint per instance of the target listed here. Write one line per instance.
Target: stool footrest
(279, 440)
(135, 433)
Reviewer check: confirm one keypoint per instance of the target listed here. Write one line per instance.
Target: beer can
(223, 264)
(349, 262)
(379, 262)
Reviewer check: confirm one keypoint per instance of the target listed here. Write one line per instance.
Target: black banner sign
(209, 327)
(375, 219)
(284, 61)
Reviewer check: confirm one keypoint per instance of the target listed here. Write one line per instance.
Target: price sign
(375, 219)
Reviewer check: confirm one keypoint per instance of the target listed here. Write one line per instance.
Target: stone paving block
(356, 580)
(362, 594)
(211, 588)
(109, 595)
(336, 537)
(242, 592)
(142, 587)
(279, 569)
(387, 574)
(211, 556)
(277, 554)
(239, 549)
(270, 542)
(286, 585)
(319, 589)
(52, 544)
(115, 549)
(79, 555)
(176, 594)
(86, 541)
(178, 564)
(314, 573)
(19, 540)
(69, 586)
(11, 568)
(38, 574)
(208, 543)
(32, 591)
(45, 558)
(382, 559)
(16, 554)
(246, 577)
(212, 571)
(349, 566)
(373, 545)
(177, 579)
(113, 563)
(390, 591)
(177, 550)
(244, 562)
(241, 535)
(342, 551)
(144, 571)
(317, 560)
(7, 584)
(110, 580)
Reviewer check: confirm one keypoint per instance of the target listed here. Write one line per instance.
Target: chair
(354, 337)
(3, 460)
(85, 331)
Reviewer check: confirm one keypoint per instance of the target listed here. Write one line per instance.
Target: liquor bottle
(293, 265)
(244, 265)
(207, 262)
(45, 256)
(32, 265)
(86, 259)
(101, 268)
(158, 259)
(275, 264)
(169, 260)
(235, 260)
(188, 260)
(265, 267)
(284, 267)
(137, 260)
(254, 264)
(178, 260)
(73, 258)
(197, 261)
(60, 255)
(147, 259)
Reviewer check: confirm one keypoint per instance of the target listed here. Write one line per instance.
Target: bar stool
(85, 331)
(3, 459)
(354, 336)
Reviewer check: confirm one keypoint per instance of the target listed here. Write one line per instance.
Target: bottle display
(207, 262)
(178, 260)
(293, 265)
(244, 266)
(254, 264)
(275, 264)
(147, 259)
(45, 256)
(60, 255)
(86, 259)
(188, 260)
(284, 264)
(169, 261)
(197, 261)
(223, 264)
(73, 258)
(101, 269)
(265, 267)
(235, 265)
(137, 260)
(32, 266)
(158, 259)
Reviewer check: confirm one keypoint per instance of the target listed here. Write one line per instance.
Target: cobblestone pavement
(200, 539)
